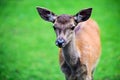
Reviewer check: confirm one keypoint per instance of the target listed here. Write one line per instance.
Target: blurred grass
(27, 49)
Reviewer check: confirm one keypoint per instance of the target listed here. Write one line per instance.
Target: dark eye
(72, 28)
(54, 27)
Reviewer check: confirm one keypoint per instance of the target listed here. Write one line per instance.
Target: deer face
(64, 25)
(64, 28)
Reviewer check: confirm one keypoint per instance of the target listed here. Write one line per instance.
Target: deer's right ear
(46, 14)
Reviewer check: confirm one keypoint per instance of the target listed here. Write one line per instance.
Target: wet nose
(60, 42)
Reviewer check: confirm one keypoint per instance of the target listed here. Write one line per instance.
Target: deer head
(64, 25)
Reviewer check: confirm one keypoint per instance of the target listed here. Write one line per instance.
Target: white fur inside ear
(78, 18)
(75, 18)
(51, 17)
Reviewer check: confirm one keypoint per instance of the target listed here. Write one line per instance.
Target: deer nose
(60, 42)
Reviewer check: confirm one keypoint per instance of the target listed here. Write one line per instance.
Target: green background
(27, 43)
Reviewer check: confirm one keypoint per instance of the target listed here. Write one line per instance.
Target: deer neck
(71, 53)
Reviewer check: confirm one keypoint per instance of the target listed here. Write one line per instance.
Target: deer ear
(46, 14)
(83, 15)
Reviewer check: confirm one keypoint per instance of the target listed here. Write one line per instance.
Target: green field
(27, 43)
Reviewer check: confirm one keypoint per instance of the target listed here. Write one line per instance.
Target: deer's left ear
(83, 15)
(46, 14)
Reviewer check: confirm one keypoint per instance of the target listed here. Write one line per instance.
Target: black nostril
(59, 42)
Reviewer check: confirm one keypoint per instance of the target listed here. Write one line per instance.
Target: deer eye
(72, 28)
(54, 27)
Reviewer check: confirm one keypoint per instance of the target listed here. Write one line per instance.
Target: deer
(78, 40)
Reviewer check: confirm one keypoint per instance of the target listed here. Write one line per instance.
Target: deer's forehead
(64, 20)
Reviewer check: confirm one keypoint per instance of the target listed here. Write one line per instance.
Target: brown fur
(80, 45)
(88, 43)
(63, 19)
